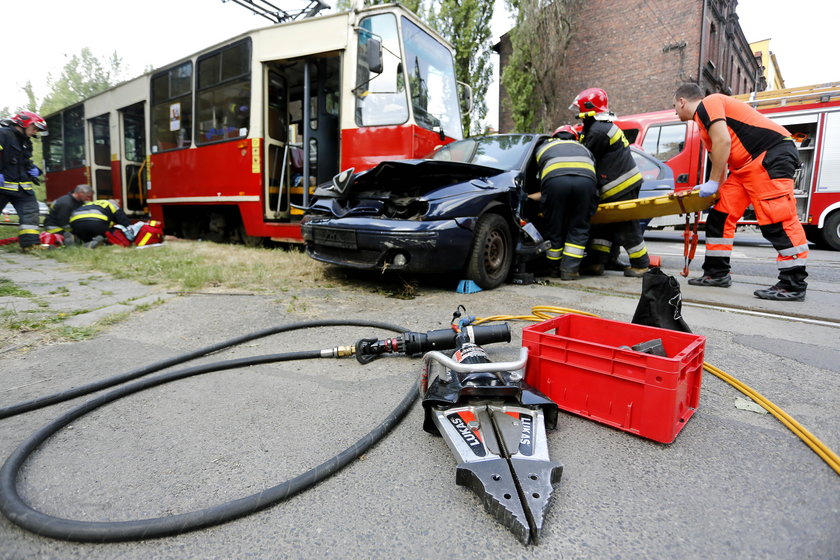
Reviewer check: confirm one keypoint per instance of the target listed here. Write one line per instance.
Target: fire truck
(811, 114)
(228, 143)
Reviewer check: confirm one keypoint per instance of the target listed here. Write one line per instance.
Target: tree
(466, 24)
(83, 76)
(532, 76)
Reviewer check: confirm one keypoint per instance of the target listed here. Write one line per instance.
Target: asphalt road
(734, 484)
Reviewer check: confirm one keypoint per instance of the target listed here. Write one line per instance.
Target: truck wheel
(831, 231)
(491, 255)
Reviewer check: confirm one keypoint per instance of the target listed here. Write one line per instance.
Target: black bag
(660, 304)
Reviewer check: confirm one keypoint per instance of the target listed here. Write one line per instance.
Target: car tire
(831, 231)
(491, 254)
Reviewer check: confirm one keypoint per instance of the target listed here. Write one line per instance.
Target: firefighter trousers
(88, 228)
(568, 202)
(625, 234)
(26, 206)
(767, 184)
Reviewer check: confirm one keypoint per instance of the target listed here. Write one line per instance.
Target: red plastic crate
(576, 361)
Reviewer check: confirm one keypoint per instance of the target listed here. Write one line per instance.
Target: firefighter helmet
(590, 102)
(566, 128)
(25, 118)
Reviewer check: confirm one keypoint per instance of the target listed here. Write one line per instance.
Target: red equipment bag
(150, 234)
(117, 237)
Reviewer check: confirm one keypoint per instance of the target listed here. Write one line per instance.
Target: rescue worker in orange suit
(761, 158)
(17, 173)
(568, 197)
(618, 179)
(58, 220)
(90, 221)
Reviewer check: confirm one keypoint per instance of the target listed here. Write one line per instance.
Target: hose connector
(338, 351)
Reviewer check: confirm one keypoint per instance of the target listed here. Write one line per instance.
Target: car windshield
(500, 151)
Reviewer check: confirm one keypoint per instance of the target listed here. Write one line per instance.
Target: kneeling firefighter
(618, 179)
(569, 198)
(94, 219)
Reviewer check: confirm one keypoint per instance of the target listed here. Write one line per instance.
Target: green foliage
(84, 75)
(466, 24)
(534, 72)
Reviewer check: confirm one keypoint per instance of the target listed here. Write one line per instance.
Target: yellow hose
(544, 312)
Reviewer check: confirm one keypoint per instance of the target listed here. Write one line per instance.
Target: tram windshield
(382, 98)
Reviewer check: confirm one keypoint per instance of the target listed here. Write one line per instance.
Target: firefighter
(91, 221)
(618, 179)
(761, 159)
(58, 220)
(18, 173)
(568, 197)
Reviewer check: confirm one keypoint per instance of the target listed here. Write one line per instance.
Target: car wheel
(831, 231)
(492, 252)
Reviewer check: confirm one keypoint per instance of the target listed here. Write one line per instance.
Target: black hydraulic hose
(62, 396)
(20, 513)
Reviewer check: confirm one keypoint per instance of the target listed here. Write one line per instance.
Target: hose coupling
(338, 352)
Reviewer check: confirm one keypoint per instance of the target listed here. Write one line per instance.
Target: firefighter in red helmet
(618, 179)
(18, 173)
(568, 197)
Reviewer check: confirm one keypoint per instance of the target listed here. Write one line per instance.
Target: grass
(195, 266)
(10, 289)
(188, 266)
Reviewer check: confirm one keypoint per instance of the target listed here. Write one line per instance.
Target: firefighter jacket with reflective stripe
(59, 216)
(618, 176)
(15, 159)
(751, 132)
(564, 157)
(101, 210)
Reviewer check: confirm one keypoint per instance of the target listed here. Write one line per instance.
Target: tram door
(100, 165)
(134, 165)
(296, 90)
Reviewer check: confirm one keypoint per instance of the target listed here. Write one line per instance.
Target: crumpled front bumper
(433, 246)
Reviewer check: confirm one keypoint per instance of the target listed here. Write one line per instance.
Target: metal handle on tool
(516, 368)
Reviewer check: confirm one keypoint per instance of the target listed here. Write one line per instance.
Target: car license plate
(334, 237)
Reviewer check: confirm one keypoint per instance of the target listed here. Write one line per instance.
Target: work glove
(2, 182)
(708, 188)
(34, 172)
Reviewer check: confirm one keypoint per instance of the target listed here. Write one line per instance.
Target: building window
(223, 108)
(172, 108)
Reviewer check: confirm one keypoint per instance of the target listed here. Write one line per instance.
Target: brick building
(639, 51)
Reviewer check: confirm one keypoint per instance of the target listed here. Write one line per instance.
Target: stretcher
(685, 202)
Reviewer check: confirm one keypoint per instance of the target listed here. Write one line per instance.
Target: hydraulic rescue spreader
(492, 420)
(495, 424)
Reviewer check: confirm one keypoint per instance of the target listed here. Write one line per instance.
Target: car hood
(403, 189)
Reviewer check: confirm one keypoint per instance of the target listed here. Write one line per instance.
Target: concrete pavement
(735, 483)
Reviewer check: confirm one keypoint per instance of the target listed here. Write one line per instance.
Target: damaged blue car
(462, 210)
(457, 211)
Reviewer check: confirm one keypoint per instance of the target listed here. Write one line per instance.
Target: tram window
(74, 137)
(134, 133)
(380, 98)
(54, 144)
(101, 140)
(172, 108)
(431, 78)
(224, 94)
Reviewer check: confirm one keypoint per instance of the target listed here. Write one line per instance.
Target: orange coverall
(762, 162)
